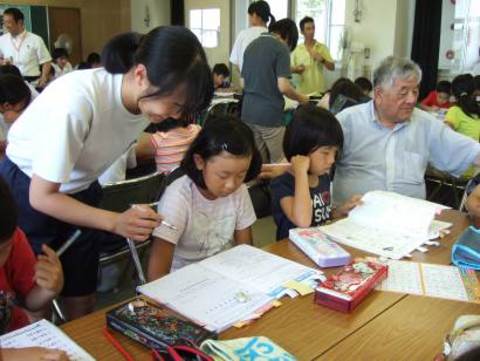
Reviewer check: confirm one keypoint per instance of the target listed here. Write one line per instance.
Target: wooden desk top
(414, 329)
(301, 327)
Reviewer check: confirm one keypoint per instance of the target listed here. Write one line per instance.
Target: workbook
(388, 224)
(44, 334)
(229, 287)
(423, 279)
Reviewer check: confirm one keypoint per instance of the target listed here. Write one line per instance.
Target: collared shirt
(312, 79)
(379, 158)
(27, 51)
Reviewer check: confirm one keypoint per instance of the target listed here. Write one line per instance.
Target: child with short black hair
(220, 74)
(438, 98)
(302, 196)
(209, 206)
(364, 84)
(34, 282)
(60, 64)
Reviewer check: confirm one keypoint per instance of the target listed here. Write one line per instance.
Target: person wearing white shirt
(24, 49)
(258, 17)
(60, 64)
(78, 126)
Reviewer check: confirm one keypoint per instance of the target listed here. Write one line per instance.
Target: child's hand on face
(33, 354)
(473, 205)
(48, 271)
(300, 164)
(345, 208)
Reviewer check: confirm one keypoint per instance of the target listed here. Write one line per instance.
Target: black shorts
(80, 261)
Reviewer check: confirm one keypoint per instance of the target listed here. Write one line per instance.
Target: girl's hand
(345, 208)
(300, 164)
(137, 223)
(270, 171)
(33, 354)
(48, 271)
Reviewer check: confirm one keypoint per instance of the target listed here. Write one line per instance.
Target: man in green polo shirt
(309, 59)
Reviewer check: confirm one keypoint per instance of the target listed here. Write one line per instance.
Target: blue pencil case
(466, 251)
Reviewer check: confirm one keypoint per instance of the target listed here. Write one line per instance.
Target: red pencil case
(344, 290)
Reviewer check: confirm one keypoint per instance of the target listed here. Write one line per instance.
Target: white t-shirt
(117, 172)
(74, 130)
(59, 71)
(204, 227)
(27, 51)
(245, 37)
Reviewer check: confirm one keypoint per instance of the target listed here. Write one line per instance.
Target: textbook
(44, 334)
(388, 224)
(229, 287)
(318, 247)
(432, 280)
(344, 290)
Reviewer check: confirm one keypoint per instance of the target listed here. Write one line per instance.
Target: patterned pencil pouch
(246, 349)
(466, 251)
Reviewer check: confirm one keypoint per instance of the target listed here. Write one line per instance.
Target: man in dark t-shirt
(265, 75)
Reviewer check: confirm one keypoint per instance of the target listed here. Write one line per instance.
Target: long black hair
(173, 56)
(222, 133)
(262, 9)
(8, 212)
(463, 87)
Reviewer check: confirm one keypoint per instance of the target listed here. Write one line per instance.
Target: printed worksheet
(432, 280)
(44, 334)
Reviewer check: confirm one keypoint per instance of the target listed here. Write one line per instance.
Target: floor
(263, 233)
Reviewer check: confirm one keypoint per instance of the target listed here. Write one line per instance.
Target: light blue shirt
(379, 158)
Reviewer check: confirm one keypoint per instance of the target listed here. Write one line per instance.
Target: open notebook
(228, 287)
(388, 224)
(44, 334)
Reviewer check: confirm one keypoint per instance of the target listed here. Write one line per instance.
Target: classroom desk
(414, 329)
(301, 327)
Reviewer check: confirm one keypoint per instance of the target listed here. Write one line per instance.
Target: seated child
(220, 76)
(301, 197)
(209, 206)
(33, 282)
(15, 96)
(464, 116)
(12, 69)
(364, 84)
(170, 143)
(60, 62)
(438, 98)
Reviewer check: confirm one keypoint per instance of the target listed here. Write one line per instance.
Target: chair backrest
(118, 197)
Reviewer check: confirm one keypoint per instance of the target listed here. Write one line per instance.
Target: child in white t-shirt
(209, 208)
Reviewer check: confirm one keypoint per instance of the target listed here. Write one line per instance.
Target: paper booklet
(228, 287)
(432, 280)
(44, 334)
(388, 224)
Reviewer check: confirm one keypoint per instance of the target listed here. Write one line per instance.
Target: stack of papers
(228, 287)
(44, 334)
(388, 224)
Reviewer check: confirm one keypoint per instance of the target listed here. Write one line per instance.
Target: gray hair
(392, 68)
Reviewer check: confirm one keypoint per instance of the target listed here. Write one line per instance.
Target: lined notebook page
(44, 334)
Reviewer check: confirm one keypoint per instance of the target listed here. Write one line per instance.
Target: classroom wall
(159, 12)
(101, 19)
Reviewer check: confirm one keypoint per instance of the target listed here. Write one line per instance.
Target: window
(329, 16)
(205, 24)
(278, 8)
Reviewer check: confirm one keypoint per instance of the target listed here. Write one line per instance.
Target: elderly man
(388, 142)
(24, 49)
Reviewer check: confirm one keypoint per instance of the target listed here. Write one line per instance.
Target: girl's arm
(298, 208)
(135, 223)
(32, 354)
(160, 261)
(243, 236)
